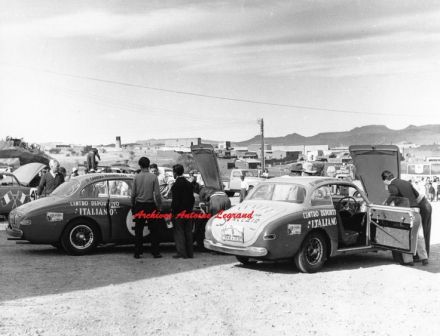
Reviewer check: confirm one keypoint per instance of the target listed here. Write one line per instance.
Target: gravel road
(45, 292)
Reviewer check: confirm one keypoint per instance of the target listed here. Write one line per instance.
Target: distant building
(118, 142)
(181, 142)
(257, 147)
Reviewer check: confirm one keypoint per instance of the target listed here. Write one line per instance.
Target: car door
(93, 203)
(393, 228)
(120, 214)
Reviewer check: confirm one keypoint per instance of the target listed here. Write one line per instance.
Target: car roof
(304, 180)
(87, 178)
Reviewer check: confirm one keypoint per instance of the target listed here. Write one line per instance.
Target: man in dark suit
(182, 202)
(402, 193)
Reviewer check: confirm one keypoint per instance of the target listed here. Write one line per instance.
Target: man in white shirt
(244, 188)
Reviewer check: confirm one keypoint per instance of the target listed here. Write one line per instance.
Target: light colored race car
(309, 219)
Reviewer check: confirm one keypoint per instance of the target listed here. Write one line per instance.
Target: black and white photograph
(219, 167)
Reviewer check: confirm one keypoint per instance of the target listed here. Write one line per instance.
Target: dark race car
(86, 211)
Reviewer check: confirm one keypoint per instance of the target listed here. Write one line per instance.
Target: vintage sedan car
(309, 219)
(86, 211)
(17, 188)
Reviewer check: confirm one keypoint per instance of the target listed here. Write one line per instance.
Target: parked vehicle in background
(251, 176)
(19, 187)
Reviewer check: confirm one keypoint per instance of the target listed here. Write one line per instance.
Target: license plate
(235, 234)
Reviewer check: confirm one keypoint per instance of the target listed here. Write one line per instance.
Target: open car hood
(207, 164)
(370, 161)
(26, 173)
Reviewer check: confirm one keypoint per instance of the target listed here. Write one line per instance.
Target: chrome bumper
(13, 233)
(242, 251)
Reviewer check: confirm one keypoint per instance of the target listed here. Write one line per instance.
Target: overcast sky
(86, 71)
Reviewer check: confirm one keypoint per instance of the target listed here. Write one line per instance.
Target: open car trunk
(370, 161)
(207, 164)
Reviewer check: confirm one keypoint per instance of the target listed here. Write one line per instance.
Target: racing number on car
(130, 225)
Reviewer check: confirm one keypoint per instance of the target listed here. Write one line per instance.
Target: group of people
(149, 189)
(430, 187)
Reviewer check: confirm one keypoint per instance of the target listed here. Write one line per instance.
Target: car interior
(350, 213)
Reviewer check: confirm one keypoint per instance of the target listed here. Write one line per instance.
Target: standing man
(50, 180)
(145, 196)
(92, 160)
(402, 191)
(244, 188)
(182, 200)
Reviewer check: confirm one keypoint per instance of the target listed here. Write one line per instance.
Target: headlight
(25, 221)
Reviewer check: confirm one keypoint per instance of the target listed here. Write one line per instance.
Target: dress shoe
(416, 258)
(178, 256)
(137, 256)
(156, 256)
(425, 262)
(408, 264)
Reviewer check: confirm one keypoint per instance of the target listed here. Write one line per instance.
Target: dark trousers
(183, 237)
(425, 213)
(153, 227)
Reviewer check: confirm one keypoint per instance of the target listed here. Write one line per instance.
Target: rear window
(66, 189)
(285, 192)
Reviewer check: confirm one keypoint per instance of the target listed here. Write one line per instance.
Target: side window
(95, 190)
(119, 188)
(321, 196)
(344, 191)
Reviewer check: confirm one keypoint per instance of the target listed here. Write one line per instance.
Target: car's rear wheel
(312, 254)
(80, 237)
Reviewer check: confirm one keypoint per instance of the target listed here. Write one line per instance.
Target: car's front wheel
(80, 237)
(312, 254)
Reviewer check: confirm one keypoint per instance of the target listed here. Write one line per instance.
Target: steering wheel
(349, 204)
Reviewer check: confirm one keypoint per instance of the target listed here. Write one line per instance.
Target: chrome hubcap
(81, 237)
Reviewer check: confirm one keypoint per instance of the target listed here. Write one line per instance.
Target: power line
(241, 100)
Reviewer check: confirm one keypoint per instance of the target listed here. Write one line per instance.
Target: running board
(353, 250)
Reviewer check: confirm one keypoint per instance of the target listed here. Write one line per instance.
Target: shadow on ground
(350, 262)
(33, 270)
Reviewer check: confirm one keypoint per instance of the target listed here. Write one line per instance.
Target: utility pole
(261, 122)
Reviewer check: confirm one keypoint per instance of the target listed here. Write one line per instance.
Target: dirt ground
(45, 292)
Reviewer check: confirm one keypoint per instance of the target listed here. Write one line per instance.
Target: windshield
(250, 173)
(66, 189)
(285, 192)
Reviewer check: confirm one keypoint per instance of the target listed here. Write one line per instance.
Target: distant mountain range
(372, 134)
